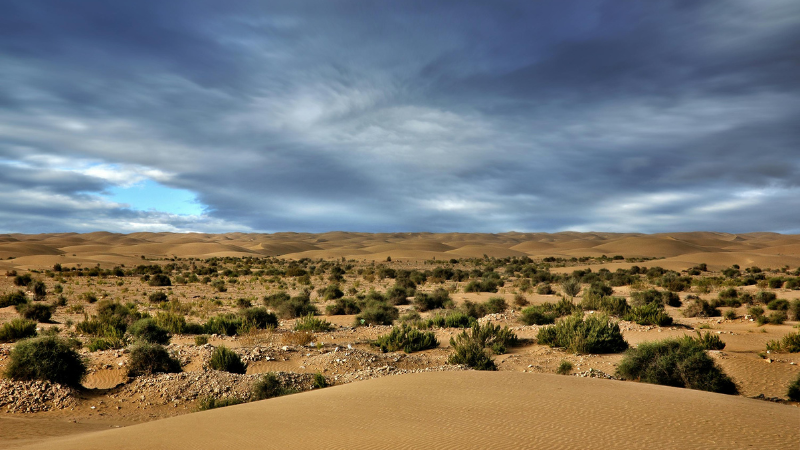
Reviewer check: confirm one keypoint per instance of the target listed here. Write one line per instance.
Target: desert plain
(726, 286)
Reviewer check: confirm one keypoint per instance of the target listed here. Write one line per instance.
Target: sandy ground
(470, 410)
(523, 405)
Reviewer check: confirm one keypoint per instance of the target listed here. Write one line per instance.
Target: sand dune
(470, 410)
(680, 250)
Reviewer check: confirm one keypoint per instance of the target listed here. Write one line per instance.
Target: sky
(378, 116)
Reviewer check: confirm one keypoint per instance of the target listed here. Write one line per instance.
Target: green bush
(332, 292)
(276, 299)
(377, 313)
(259, 318)
(343, 306)
(105, 343)
(595, 334)
(439, 298)
(487, 336)
(38, 289)
(538, 315)
(226, 360)
(571, 287)
(765, 296)
(47, 358)
(496, 305)
(149, 331)
(40, 312)
(408, 339)
(225, 324)
(641, 298)
(564, 368)
(701, 308)
(471, 354)
(649, 314)
(172, 322)
(13, 299)
(270, 386)
(398, 294)
(614, 306)
(775, 318)
(488, 285)
(147, 359)
(319, 381)
(17, 329)
(709, 341)
(214, 403)
(297, 306)
(453, 319)
(311, 323)
(159, 279)
(158, 297)
(794, 309)
(675, 362)
(545, 289)
(778, 305)
(790, 343)
(793, 391)
(200, 339)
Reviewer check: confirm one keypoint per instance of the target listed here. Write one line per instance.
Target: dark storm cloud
(396, 116)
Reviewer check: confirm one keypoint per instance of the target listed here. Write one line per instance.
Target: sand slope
(470, 410)
(680, 250)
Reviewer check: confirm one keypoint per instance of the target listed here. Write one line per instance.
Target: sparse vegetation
(17, 329)
(790, 343)
(147, 359)
(270, 386)
(311, 323)
(564, 368)
(594, 334)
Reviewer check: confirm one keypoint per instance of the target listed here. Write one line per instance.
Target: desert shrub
(23, 280)
(571, 287)
(298, 338)
(343, 306)
(675, 362)
(332, 292)
(793, 391)
(538, 315)
(614, 306)
(406, 338)
(564, 368)
(471, 354)
(274, 300)
(38, 289)
(269, 386)
(487, 336)
(259, 318)
(488, 285)
(595, 334)
(319, 381)
(398, 294)
(439, 298)
(172, 322)
(243, 303)
(90, 297)
(453, 319)
(159, 279)
(700, 308)
(37, 311)
(46, 358)
(792, 283)
(730, 315)
(17, 329)
(147, 358)
(755, 311)
(411, 317)
(214, 403)
(105, 343)
(545, 289)
(765, 296)
(149, 331)
(640, 298)
(227, 324)
(13, 299)
(778, 305)
(219, 285)
(200, 339)
(649, 314)
(297, 306)
(794, 309)
(377, 313)
(311, 323)
(775, 318)
(708, 341)
(520, 300)
(775, 283)
(790, 343)
(226, 360)
(495, 305)
(158, 297)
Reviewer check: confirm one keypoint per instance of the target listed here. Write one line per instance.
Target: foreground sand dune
(470, 410)
(718, 250)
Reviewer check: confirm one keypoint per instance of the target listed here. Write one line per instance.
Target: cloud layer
(402, 116)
